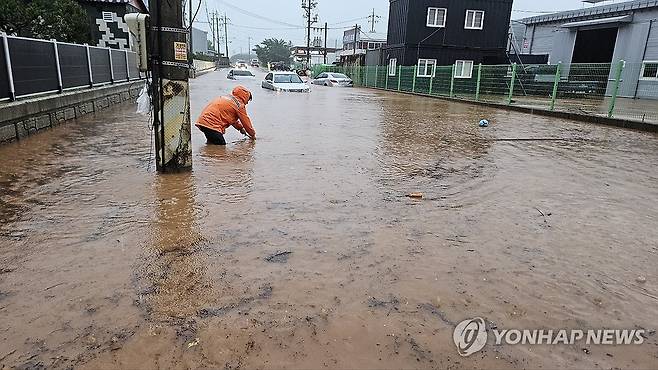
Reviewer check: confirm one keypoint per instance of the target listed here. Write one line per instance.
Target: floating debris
(279, 257)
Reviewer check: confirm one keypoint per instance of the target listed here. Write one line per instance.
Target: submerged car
(241, 65)
(240, 74)
(333, 79)
(285, 81)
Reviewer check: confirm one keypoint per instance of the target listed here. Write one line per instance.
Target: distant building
(108, 28)
(357, 43)
(428, 33)
(603, 34)
(200, 41)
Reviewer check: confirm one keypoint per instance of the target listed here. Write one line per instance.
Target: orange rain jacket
(228, 111)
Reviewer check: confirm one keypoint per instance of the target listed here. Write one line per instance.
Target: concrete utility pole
(217, 48)
(326, 28)
(308, 6)
(373, 19)
(212, 29)
(168, 49)
(226, 19)
(190, 52)
(249, 46)
(357, 29)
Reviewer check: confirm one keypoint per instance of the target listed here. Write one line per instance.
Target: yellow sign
(180, 51)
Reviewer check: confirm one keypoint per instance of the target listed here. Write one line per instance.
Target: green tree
(274, 50)
(64, 20)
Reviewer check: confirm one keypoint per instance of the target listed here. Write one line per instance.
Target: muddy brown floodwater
(105, 264)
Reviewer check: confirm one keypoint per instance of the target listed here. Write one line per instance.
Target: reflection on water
(225, 173)
(172, 279)
(425, 141)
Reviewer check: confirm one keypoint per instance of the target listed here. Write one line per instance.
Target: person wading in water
(227, 111)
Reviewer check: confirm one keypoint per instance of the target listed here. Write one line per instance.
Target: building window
(108, 17)
(464, 69)
(426, 67)
(436, 17)
(392, 67)
(474, 20)
(650, 71)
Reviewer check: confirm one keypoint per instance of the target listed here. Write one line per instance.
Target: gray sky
(286, 17)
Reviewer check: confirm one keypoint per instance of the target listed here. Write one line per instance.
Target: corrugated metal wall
(397, 22)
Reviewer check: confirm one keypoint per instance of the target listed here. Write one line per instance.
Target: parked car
(333, 79)
(255, 63)
(280, 66)
(240, 74)
(285, 81)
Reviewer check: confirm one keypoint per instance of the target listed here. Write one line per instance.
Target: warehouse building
(625, 31)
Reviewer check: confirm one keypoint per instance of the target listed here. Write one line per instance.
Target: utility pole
(308, 6)
(212, 30)
(217, 48)
(373, 19)
(226, 34)
(356, 36)
(249, 46)
(168, 49)
(326, 28)
(190, 53)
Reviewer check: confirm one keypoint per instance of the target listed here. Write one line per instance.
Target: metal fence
(32, 66)
(618, 90)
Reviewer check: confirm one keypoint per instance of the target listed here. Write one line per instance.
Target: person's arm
(246, 123)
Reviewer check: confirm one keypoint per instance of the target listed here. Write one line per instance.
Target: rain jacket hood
(242, 94)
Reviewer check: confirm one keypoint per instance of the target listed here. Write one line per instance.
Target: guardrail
(201, 65)
(620, 90)
(30, 67)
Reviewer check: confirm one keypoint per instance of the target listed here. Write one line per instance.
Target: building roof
(372, 36)
(140, 4)
(597, 11)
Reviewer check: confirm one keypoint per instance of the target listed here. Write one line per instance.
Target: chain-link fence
(620, 90)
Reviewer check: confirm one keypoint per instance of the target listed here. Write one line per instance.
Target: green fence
(619, 90)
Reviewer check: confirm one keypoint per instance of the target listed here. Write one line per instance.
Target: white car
(240, 74)
(241, 65)
(285, 81)
(333, 79)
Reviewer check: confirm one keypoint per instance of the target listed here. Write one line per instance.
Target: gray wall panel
(33, 65)
(119, 65)
(73, 64)
(4, 79)
(562, 49)
(652, 45)
(100, 62)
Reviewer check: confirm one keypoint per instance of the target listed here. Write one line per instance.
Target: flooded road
(301, 250)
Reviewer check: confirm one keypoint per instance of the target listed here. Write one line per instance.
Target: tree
(274, 50)
(63, 20)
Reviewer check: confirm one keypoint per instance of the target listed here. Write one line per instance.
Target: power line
(251, 14)
(348, 21)
(267, 28)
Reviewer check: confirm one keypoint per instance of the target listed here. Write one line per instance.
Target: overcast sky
(260, 19)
